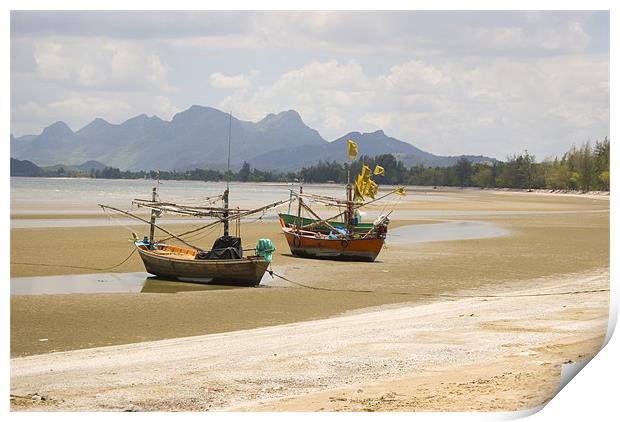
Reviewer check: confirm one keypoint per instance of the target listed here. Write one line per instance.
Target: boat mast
(225, 196)
(349, 213)
(349, 206)
(154, 212)
(299, 220)
(153, 216)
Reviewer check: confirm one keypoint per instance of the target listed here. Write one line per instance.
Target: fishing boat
(224, 263)
(227, 262)
(342, 236)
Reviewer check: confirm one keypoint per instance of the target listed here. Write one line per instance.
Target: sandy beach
(442, 349)
(492, 351)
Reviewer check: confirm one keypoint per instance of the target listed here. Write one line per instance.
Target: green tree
(557, 174)
(601, 164)
(483, 176)
(463, 171)
(244, 173)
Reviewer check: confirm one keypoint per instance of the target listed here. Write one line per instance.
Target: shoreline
(327, 184)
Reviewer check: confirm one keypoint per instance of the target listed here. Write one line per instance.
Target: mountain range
(198, 138)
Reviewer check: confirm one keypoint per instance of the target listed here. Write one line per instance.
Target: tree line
(585, 168)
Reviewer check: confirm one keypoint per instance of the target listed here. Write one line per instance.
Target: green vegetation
(585, 169)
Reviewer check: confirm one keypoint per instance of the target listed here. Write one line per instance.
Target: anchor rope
(451, 296)
(39, 264)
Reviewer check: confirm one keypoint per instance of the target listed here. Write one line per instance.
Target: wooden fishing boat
(224, 263)
(343, 236)
(180, 263)
(312, 244)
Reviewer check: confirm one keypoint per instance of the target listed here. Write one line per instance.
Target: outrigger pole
(239, 215)
(318, 223)
(152, 223)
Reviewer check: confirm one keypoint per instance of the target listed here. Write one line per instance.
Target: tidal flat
(541, 235)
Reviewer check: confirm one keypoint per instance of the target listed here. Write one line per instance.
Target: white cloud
(320, 91)
(221, 81)
(100, 64)
(448, 108)
(415, 77)
(78, 110)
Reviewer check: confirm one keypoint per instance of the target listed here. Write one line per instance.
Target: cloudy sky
(488, 83)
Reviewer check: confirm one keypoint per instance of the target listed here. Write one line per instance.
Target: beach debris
(33, 397)
(43, 339)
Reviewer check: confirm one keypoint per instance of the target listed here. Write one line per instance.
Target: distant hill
(198, 138)
(370, 144)
(410, 160)
(25, 168)
(91, 165)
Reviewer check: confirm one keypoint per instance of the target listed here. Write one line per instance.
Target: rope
(116, 221)
(273, 273)
(76, 266)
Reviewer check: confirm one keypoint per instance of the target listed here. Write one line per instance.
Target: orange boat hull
(310, 246)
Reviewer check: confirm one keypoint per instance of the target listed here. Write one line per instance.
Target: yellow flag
(379, 171)
(400, 191)
(352, 150)
(371, 189)
(365, 173)
(357, 193)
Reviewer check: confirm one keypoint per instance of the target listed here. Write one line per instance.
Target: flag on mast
(352, 150)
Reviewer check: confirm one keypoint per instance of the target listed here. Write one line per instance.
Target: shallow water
(405, 214)
(32, 194)
(40, 223)
(139, 282)
(454, 230)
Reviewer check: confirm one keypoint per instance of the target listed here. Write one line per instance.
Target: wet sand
(469, 353)
(540, 246)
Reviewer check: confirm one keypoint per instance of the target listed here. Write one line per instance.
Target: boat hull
(238, 272)
(337, 249)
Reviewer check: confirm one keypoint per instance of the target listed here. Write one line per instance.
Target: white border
(593, 392)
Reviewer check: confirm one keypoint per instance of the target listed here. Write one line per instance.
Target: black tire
(344, 243)
(297, 241)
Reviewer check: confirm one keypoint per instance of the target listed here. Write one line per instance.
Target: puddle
(404, 214)
(455, 230)
(139, 282)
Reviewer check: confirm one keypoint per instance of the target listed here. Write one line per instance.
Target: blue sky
(472, 82)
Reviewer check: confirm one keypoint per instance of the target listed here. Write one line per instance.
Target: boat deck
(172, 252)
